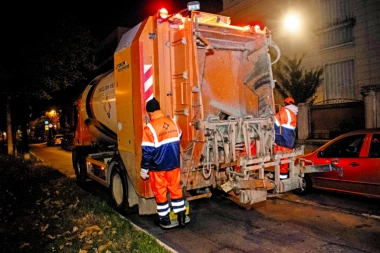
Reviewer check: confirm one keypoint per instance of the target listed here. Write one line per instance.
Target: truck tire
(306, 186)
(119, 189)
(79, 165)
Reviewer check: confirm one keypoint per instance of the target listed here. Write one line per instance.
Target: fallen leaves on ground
(44, 211)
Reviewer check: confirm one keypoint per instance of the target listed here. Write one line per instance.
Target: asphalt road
(320, 222)
(277, 225)
(53, 156)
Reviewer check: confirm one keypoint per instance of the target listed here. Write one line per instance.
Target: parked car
(56, 140)
(68, 142)
(37, 139)
(358, 153)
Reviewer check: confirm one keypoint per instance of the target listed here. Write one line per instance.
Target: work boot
(181, 219)
(163, 221)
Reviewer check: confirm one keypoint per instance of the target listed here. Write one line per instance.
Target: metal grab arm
(322, 167)
(274, 45)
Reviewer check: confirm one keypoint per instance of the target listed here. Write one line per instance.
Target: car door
(371, 167)
(347, 151)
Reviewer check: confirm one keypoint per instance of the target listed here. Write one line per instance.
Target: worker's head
(289, 101)
(152, 105)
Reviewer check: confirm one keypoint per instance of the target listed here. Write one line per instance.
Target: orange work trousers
(284, 168)
(164, 181)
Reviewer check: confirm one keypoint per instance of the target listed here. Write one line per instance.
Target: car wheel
(306, 186)
(119, 189)
(79, 165)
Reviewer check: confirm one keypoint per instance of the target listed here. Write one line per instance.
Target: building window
(337, 23)
(340, 80)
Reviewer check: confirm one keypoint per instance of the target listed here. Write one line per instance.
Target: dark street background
(319, 222)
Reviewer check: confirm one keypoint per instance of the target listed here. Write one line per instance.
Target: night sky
(19, 20)
(102, 18)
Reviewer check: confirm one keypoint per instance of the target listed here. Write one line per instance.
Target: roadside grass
(44, 211)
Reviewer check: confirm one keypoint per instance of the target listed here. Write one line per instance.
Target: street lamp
(292, 22)
(52, 113)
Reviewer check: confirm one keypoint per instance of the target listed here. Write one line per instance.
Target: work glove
(144, 173)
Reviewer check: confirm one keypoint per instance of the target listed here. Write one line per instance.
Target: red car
(358, 153)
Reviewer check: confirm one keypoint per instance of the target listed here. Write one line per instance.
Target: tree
(4, 77)
(293, 80)
(50, 55)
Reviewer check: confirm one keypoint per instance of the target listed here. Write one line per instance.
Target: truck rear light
(257, 28)
(163, 13)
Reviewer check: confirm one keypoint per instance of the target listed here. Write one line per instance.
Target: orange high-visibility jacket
(285, 125)
(160, 143)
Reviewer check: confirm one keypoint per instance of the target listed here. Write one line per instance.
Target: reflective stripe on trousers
(163, 182)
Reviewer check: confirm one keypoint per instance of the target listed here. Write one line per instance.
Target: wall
(372, 106)
(365, 49)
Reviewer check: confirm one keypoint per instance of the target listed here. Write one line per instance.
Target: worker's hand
(144, 173)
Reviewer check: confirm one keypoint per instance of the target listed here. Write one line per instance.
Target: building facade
(342, 36)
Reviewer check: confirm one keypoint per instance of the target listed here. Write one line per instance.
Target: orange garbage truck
(215, 80)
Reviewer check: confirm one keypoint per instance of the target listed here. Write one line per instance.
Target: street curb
(37, 157)
(134, 225)
(146, 232)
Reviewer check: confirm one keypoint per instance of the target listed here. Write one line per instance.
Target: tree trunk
(24, 127)
(9, 126)
(25, 140)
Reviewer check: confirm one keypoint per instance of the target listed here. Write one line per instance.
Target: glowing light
(163, 13)
(52, 113)
(292, 22)
(257, 28)
(178, 16)
(246, 28)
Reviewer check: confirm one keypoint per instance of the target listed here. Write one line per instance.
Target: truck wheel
(119, 189)
(306, 186)
(79, 166)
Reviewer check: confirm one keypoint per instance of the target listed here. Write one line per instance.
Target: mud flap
(147, 206)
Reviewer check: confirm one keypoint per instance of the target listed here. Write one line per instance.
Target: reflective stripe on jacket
(286, 118)
(160, 143)
(284, 126)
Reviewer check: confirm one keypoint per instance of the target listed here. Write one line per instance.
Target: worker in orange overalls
(285, 135)
(161, 163)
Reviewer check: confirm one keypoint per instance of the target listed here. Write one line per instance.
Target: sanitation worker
(161, 164)
(285, 134)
